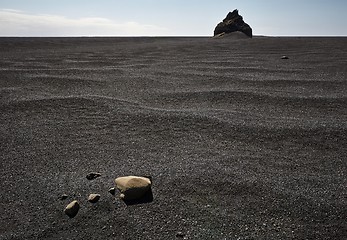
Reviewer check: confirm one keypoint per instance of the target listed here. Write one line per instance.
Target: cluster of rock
(233, 23)
(131, 188)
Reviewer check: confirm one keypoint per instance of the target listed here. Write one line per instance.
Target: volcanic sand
(240, 144)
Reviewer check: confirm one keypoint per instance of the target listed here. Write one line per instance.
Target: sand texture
(240, 143)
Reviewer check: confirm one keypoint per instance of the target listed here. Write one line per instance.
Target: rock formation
(233, 23)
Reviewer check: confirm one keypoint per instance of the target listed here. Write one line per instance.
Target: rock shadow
(147, 198)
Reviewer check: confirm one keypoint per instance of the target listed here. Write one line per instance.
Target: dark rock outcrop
(233, 23)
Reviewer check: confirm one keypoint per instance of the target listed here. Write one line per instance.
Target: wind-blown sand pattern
(240, 143)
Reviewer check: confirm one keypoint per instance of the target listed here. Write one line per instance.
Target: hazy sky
(169, 17)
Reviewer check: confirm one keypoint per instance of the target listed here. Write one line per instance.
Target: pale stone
(72, 209)
(93, 198)
(133, 187)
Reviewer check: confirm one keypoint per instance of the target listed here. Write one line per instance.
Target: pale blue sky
(169, 17)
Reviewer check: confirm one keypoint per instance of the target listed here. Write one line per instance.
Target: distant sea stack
(233, 23)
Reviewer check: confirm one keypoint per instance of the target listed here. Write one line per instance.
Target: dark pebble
(63, 197)
(112, 191)
(93, 175)
(180, 234)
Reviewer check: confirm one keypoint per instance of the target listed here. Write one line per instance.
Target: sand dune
(240, 143)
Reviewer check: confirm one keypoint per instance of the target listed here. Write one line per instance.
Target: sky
(169, 17)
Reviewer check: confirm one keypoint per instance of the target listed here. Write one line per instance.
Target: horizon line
(156, 36)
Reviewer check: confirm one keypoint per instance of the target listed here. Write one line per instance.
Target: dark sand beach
(240, 144)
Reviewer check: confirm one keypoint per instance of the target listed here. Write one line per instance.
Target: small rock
(93, 175)
(63, 197)
(284, 57)
(180, 234)
(112, 191)
(133, 187)
(93, 198)
(72, 209)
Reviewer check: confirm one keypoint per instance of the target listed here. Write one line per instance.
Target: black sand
(240, 143)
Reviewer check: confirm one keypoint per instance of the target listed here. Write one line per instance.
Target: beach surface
(240, 143)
